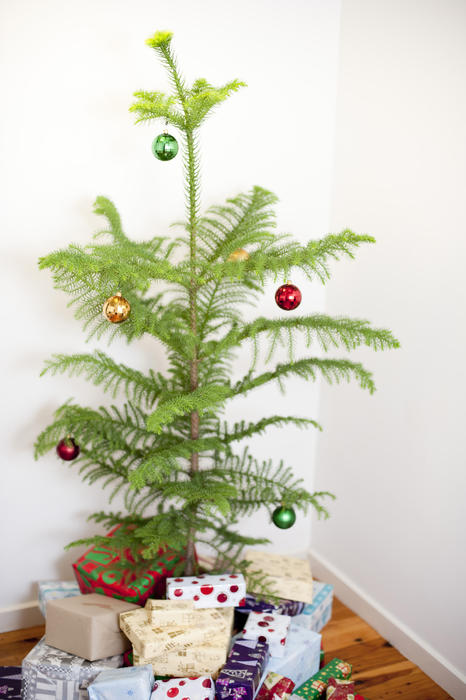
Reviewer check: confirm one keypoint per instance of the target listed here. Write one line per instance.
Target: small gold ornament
(116, 309)
(238, 255)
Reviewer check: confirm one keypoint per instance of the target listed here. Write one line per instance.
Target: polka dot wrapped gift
(200, 688)
(208, 590)
(270, 628)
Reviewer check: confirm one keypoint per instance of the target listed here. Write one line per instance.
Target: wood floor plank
(379, 670)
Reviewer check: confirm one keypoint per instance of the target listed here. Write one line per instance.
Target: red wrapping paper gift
(96, 573)
(275, 687)
(339, 689)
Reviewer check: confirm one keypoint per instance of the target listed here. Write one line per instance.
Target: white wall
(397, 459)
(69, 70)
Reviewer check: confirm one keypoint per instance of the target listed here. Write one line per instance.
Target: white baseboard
(16, 617)
(404, 639)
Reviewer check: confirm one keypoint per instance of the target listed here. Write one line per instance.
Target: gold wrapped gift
(152, 638)
(149, 640)
(182, 613)
(288, 577)
(194, 661)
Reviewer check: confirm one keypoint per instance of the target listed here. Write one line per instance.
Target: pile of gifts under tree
(159, 636)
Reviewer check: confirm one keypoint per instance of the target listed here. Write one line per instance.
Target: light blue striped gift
(51, 590)
(316, 614)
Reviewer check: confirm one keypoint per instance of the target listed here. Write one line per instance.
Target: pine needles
(164, 447)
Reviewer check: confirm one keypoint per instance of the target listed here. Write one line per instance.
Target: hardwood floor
(380, 671)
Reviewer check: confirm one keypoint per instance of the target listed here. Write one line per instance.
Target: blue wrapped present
(302, 656)
(119, 684)
(316, 614)
(51, 590)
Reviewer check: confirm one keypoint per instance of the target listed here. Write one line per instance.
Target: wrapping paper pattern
(288, 577)
(118, 684)
(275, 687)
(315, 687)
(10, 682)
(240, 678)
(316, 614)
(284, 607)
(50, 673)
(150, 641)
(201, 688)
(195, 661)
(51, 590)
(340, 690)
(210, 626)
(301, 656)
(208, 591)
(269, 628)
(96, 573)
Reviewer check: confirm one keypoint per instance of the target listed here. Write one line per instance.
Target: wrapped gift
(287, 577)
(10, 682)
(51, 673)
(208, 591)
(118, 684)
(182, 613)
(87, 625)
(96, 572)
(316, 614)
(315, 686)
(51, 590)
(272, 629)
(150, 641)
(301, 656)
(240, 678)
(275, 687)
(195, 661)
(283, 607)
(340, 689)
(200, 688)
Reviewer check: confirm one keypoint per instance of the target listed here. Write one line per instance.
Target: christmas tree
(165, 448)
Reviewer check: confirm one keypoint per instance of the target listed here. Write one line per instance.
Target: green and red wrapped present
(96, 572)
(315, 686)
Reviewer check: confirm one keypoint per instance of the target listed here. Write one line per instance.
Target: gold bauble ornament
(238, 255)
(116, 309)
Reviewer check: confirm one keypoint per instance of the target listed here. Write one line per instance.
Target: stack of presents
(114, 636)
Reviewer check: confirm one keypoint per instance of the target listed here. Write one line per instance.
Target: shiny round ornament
(165, 146)
(116, 309)
(67, 449)
(283, 517)
(288, 297)
(238, 255)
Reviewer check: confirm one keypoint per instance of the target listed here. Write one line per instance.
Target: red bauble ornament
(288, 296)
(67, 449)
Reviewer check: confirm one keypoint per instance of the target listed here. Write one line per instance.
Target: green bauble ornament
(165, 146)
(283, 517)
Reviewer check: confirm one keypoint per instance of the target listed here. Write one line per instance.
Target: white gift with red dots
(195, 688)
(270, 628)
(209, 591)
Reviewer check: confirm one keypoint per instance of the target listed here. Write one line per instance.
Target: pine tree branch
(278, 260)
(328, 331)
(100, 369)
